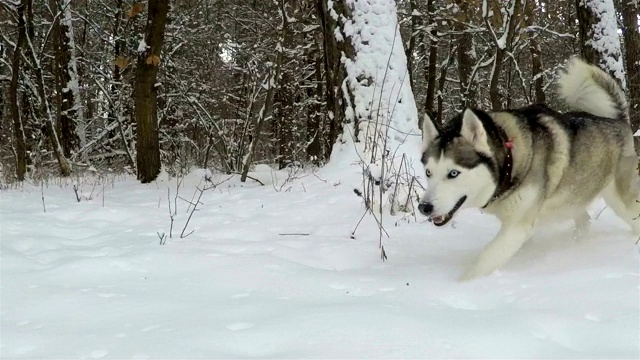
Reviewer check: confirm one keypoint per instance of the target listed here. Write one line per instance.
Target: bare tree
(146, 92)
(70, 109)
(41, 95)
(630, 12)
(431, 69)
(465, 53)
(510, 14)
(335, 72)
(416, 29)
(19, 141)
(536, 52)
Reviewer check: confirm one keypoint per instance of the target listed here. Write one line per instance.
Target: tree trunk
(69, 112)
(441, 83)
(433, 59)
(73, 109)
(284, 120)
(114, 111)
(536, 53)
(315, 125)
(600, 43)
(413, 36)
(146, 94)
(19, 143)
(335, 72)
(285, 102)
(503, 44)
(465, 54)
(45, 108)
(631, 34)
(379, 102)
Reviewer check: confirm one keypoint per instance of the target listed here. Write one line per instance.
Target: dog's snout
(425, 208)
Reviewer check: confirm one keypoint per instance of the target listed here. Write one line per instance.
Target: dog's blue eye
(453, 174)
(428, 173)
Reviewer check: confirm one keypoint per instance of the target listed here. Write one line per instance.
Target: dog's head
(458, 162)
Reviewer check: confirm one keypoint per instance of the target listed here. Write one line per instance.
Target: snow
(381, 118)
(606, 40)
(507, 18)
(376, 35)
(375, 171)
(142, 45)
(502, 41)
(379, 81)
(272, 272)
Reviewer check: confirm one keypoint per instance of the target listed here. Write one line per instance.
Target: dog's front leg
(509, 240)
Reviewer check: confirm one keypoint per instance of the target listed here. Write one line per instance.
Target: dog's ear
(473, 131)
(429, 132)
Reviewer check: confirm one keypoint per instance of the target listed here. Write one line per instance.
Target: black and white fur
(534, 163)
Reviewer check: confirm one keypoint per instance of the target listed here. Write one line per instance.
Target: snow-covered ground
(272, 272)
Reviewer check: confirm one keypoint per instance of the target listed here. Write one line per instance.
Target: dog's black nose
(425, 208)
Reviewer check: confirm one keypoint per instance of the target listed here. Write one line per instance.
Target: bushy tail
(587, 88)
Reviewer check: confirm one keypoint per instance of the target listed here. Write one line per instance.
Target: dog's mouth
(444, 219)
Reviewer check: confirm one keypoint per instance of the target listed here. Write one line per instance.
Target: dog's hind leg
(623, 193)
(509, 240)
(583, 222)
(630, 214)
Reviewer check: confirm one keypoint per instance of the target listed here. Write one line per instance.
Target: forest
(132, 86)
(243, 179)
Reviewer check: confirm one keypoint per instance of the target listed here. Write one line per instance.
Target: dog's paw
(473, 273)
(635, 226)
(466, 277)
(579, 233)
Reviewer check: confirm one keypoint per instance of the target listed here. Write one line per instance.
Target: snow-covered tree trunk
(74, 108)
(600, 42)
(316, 119)
(285, 96)
(335, 49)
(465, 53)
(503, 43)
(43, 100)
(431, 69)
(19, 139)
(380, 126)
(378, 92)
(414, 41)
(69, 107)
(536, 53)
(630, 12)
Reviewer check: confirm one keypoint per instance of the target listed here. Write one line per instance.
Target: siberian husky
(525, 165)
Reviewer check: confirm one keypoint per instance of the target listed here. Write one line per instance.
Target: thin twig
(163, 238)
(75, 190)
(237, 173)
(172, 214)
(44, 208)
(195, 208)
